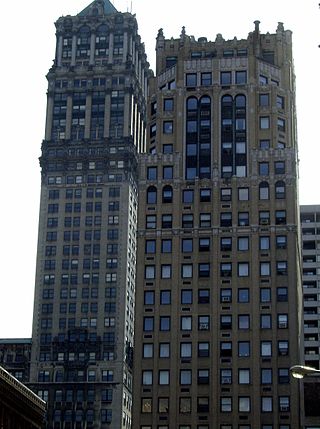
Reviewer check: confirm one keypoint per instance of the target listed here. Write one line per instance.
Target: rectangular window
(264, 122)
(168, 104)
(206, 79)
(241, 77)
(187, 196)
(225, 78)
(167, 127)
(191, 79)
(263, 100)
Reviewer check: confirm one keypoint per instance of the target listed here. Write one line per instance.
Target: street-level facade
(82, 336)
(218, 280)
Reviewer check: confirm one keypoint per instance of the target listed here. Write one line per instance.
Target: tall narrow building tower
(218, 301)
(85, 279)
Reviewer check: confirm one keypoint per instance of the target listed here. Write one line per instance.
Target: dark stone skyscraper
(85, 280)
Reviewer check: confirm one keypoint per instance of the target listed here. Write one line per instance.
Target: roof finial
(256, 26)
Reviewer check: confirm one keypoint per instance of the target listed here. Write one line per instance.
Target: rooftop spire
(99, 7)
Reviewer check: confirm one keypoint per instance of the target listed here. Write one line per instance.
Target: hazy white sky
(28, 45)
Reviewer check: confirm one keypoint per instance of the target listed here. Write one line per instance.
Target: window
(264, 191)
(165, 271)
(163, 405)
(165, 297)
(186, 296)
(148, 323)
(243, 295)
(266, 404)
(186, 323)
(282, 321)
(205, 220)
(226, 244)
(203, 349)
(243, 269)
(185, 350)
(150, 272)
(187, 196)
(264, 217)
(281, 125)
(225, 376)
(264, 268)
(167, 148)
(226, 404)
(281, 217)
(191, 79)
(150, 246)
(283, 348)
(282, 268)
(243, 218)
(203, 376)
(185, 376)
(168, 104)
(241, 77)
(203, 323)
(265, 295)
(266, 376)
(225, 194)
(264, 243)
(166, 246)
(225, 295)
(244, 404)
(206, 79)
(283, 376)
(149, 297)
(282, 294)
(187, 245)
(225, 78)
(203, 404)
(226, 321)
(263, 80)
(147, 378)
(265, 321)
(187, 221)
(243, 348)
(243, 321)
(280, 102)
(152, 195)
(280, 190)
(164, 350)
(147, 350)
(244, 376)
(264, 144)
(279, 167)
(266, 348)
(284, 403)
(203, 296)
(263, 100)
(167, 172)
(226, 269)
(204, 244)
(205, 195)
(146, 405)
(263, 168)
(204, 270)
(152, 173)
(243, 194)
(226, 219)
(151, 221)
(264, 122)
(164, 377)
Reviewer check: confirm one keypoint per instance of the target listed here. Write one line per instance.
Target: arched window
(280, 189)
(167, 194)
(192, 103)
(102, 41)
(152, 195)
(83, 42)
(264, 191)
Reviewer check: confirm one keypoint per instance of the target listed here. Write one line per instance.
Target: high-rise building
(310, 243)
(219, 294)
(85, 278)
(15, 357)
(310, 229)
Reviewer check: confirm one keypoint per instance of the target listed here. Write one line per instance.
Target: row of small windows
(187, 220)
(77, 193)
(244, 375)
(109, 307)
(204, 244)
(238, 77)
(226, 406)
(87, 278)
(243, 270)
(80, 179)
(225, 194)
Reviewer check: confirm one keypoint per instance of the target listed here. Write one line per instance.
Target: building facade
(310, 230)
(15, 357)
(20, 408)
(310, 241)
(82, 336)
(218, 274)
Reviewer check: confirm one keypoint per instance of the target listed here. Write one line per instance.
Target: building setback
(85, 278)
(219, 296)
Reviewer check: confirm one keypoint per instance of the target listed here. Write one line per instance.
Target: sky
(28, 45)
